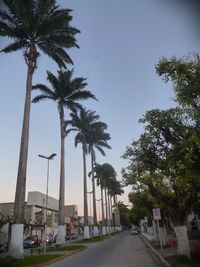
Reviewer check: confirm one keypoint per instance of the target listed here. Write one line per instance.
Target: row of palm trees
(36, 26)
(106, 179)
(66, 92)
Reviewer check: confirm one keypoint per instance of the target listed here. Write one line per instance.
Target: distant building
(35, 214)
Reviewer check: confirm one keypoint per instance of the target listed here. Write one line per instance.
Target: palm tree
(106, 175)
(33, 25)
(115, 189)
(109, 177)
(97, 140)
(100, 182)
(87, 124)
(67, 93)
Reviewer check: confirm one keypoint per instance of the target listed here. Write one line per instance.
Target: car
(134, 232)
(31, 242)
(72, 236)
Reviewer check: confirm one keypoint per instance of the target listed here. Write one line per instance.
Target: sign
(156, 214)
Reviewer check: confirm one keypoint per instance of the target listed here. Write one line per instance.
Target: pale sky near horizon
(120, 43)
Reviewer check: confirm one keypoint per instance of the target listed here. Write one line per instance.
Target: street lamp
(45, 221)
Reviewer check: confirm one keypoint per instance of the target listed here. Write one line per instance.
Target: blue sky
(120, 43)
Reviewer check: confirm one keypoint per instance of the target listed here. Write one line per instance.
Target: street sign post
(156, 214)
(157, 217)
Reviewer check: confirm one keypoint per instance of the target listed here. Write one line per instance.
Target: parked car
(134, 232)
(72, 236)
(31, 242)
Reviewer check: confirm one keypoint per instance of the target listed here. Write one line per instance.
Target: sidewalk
(165, 253)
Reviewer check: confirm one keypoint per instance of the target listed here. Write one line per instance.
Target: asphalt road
(122, 250)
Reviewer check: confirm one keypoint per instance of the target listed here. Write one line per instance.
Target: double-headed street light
(45, 219)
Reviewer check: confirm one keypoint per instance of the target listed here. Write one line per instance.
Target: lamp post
(45, 220)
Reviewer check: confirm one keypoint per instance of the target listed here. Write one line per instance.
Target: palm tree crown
(38, 25)
(65, 90)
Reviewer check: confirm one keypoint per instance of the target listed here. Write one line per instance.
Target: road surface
(123, 250)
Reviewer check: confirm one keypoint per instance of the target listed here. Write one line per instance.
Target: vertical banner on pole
(157, 217)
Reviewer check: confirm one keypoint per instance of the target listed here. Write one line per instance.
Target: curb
(166, 263)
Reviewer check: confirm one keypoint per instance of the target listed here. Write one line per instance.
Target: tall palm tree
(33, 25)
(97, 140)
(105, 176)
(67, 93)
(100, 182)
(114, 189)
(87, 124)
(109, 175)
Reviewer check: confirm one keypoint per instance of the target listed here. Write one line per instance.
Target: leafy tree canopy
(165, 160)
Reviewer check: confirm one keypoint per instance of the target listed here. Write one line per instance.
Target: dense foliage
(165, 160)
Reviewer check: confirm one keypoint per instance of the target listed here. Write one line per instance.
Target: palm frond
(40, 98)
(100, 150)
(82, 95)
(18, 45)
(40, 23)
(45, 90)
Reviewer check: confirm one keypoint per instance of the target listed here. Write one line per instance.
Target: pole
(47, 192)
(161, 247)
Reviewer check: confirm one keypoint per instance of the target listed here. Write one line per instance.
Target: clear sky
(120, 43)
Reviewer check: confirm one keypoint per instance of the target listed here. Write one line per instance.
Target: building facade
(40, 211)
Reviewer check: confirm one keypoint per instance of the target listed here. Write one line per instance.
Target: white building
(36, 212)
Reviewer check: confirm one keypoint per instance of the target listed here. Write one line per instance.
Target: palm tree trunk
(111, 218)
(16, 244)
(93, 189)
(61, 223)
(102, 207)
(85, 188)
(106, 204)
(109, 214)
(86, 225)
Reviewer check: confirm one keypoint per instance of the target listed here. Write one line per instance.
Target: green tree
(124, 212)
(67, 93)
(184, 75)
(165, 159)
(33, 25)
(142, 205)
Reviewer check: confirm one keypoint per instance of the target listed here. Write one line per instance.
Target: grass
(115, 233)
(28, 260)
(95, 239)
(67, 248)
(177, 260)
(91, 240)
(156, 245)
